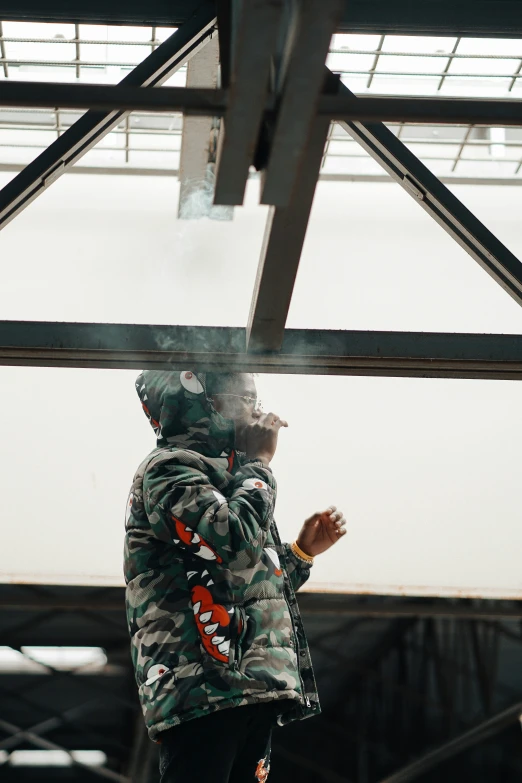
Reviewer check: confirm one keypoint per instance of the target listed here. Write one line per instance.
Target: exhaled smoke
(191, 253)
(196, 198)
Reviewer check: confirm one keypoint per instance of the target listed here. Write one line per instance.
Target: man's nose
(257, 413)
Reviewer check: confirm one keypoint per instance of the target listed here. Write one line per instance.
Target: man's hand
(321, 531)
(261, 436)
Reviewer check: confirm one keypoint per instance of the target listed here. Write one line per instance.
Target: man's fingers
(273, 420)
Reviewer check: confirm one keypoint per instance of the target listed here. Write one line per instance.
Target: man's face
(238, 401)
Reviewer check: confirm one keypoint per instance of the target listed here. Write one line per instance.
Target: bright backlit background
(426, 471)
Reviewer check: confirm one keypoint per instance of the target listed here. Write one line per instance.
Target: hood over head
(180, 414)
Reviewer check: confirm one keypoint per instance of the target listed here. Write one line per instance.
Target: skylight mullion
(375, 62)
(77, 43)
(461, 149)
(127, 138)
(438, 55)
(516, 76)
(448, 64)
(2, 52)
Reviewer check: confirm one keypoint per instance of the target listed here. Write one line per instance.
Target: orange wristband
(298, 552)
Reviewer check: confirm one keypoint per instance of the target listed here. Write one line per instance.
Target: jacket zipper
(298, 649)
(239, 637)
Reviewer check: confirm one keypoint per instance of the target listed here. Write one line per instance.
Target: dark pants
(228, 746)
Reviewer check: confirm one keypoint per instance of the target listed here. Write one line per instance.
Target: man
(211, 604)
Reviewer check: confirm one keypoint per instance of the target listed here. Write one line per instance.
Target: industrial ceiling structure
(411, 689)
(214, 91)
(273, 110)
(148, 143)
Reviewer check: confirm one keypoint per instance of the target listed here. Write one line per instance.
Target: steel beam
(310, 604)
(283, 241)
(93, 126)
(199, 143)
(344, 107)
(113, 601)
(439, 202)
(448, 750)
(253, 44)
(400, 17)
(315, 24)
(155, 172)
(304, 351)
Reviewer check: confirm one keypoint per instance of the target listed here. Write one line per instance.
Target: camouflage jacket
(210, 597)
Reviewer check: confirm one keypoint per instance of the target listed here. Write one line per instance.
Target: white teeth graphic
(205, 572)
(205, 617)
(197, 607)
(230, 611)
(206, 553)
(218, 639)
(210, 582)
(195, 539)
(190, 574)
(224, 648)
(211, 628)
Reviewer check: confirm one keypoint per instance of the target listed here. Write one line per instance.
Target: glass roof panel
(398, 64)
(369, 64)
(476, 87)
(344, 62)
(418, 44)
(31, 52)
(500, 47)
(355, 42)
(26, 138)
(426, 151)
(501, 66)
(405, 84)
(37, 30)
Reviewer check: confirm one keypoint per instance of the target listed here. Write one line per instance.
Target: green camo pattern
(211, 605)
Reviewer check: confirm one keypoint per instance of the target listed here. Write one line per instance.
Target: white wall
(425, 470)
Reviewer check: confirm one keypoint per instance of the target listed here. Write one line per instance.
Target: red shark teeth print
(209, 618)
(191, 539)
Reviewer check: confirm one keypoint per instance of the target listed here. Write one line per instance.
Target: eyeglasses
(256, 404)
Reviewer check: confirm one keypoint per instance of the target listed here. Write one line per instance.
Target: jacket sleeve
(185, 509)
(298, 572)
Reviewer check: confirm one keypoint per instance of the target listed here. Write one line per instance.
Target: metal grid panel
(85, 53)
(432, 66)
(368, 64)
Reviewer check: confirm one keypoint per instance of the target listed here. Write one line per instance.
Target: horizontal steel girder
(313, 352)
(443, 17)
(215, 103)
